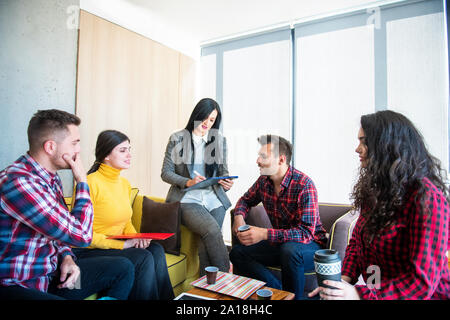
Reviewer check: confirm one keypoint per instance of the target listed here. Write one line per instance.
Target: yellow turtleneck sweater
(110, 195)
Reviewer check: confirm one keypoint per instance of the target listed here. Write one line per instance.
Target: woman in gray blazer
(193, 154)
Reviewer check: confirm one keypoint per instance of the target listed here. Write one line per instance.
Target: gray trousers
(208, 225)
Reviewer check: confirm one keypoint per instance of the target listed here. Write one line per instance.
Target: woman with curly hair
(403, 230)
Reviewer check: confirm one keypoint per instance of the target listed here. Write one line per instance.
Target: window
(255, 90)
(312, 84)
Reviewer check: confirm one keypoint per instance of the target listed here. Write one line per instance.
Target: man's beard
(267, 171)
(59, 163)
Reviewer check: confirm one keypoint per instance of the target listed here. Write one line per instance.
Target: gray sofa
(337, 219)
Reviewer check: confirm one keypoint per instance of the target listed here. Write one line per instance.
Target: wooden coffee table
(277, 294)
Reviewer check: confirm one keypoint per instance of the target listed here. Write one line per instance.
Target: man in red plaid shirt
(290, 200)
(37, 229)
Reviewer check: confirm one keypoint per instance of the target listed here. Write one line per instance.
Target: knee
(291, 253)
(157, 250)
(237, 254)
(212, 230)
(142, 257)
(123, 267)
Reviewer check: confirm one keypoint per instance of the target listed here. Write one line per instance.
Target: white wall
(38, 58)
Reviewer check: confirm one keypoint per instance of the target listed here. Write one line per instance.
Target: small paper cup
(243, 228)
(211, 274)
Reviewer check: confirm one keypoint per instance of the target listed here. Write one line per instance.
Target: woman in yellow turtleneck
(110, 195)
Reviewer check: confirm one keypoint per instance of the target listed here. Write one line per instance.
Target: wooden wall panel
(187, 89)
(164, 111)
(135, 85)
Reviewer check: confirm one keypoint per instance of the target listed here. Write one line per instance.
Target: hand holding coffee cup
(244, 228)
(327, 265)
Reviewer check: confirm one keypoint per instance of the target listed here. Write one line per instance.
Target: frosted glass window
(207, 79)
(335, 82)
(335, 86)
(256, 101)
(417, 77)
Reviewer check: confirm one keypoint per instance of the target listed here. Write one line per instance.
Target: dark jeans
(295, 259)
(112, 276)
(151, 279)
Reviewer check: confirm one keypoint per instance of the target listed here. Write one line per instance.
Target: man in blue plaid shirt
(290, 200)
(37, 229)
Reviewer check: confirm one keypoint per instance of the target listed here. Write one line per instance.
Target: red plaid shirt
(294, 213)
(410, 254)
(36, 228)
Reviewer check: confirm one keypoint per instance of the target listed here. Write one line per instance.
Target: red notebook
(153, 236)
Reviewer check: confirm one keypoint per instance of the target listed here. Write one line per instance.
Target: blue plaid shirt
(36, 228)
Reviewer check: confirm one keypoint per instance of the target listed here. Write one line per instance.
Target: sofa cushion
(257, 216)
(341, 232)
(162, 217)
(176, 266)
(133, 195)
(330, 212)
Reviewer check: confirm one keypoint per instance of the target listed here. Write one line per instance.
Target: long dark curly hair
(398, 160)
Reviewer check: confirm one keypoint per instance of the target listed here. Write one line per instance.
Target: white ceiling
(212, 19)
(185, 24)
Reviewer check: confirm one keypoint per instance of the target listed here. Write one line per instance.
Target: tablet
(190, 296)
(207, 183)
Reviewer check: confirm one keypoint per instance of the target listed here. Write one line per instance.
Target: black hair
(45, 123)
(201, 112)
(107, 140)
(397, 163)
(281, 145)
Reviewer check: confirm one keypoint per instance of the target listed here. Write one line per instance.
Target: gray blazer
(178, 164)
